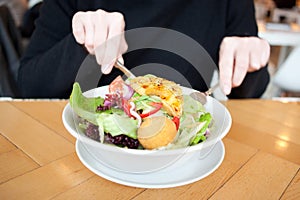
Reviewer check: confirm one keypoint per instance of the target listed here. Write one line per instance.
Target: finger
(259, 55)
(115, 36)
(254, 58)
(265, 56)
(101, 33)
(77, 28)
(241, 66)
(123, 47)
(255, 61)
(226, 61)
(89, 30)
(115, 43)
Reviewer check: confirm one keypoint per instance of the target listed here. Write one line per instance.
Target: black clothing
(53, 57)
(27, 25)
(10, 51)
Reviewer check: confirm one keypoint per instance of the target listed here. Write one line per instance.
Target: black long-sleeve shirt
(52, 60)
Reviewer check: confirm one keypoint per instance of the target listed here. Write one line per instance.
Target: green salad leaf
(113, 121)
(206, 119)
(118, 124)
(190, 105)
(83, 106)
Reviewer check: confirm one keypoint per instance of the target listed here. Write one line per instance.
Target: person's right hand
(102, 34)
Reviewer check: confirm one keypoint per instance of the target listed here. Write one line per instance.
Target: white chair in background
(287, 78)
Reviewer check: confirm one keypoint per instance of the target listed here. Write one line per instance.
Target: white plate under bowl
(196, 169)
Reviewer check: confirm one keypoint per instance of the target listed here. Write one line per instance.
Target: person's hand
(102, 34)
(239, 55)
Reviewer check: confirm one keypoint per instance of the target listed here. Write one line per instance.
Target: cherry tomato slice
(176, 120)
(157, 107)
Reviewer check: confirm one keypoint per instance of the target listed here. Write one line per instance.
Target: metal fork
(202, 96)
(124, 69)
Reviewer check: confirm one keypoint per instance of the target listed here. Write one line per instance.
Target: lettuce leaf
(205, 118)
(118, 124)
(83, 106)
(190, 105)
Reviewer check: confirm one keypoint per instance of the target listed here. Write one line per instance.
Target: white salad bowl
(147, 161)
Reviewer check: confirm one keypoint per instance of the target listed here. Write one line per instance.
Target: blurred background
(278, 22)
(17, 19)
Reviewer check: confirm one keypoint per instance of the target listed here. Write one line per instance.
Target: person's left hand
(239, 55)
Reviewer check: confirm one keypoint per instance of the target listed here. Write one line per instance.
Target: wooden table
(38, 159)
